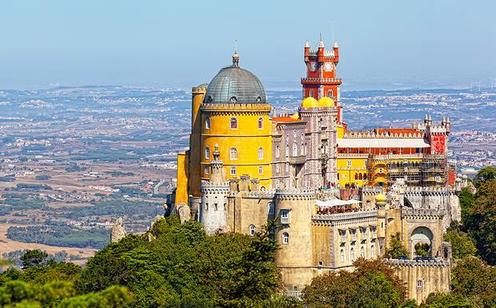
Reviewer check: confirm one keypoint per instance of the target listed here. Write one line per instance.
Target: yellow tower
(198, 95)
(236, 123)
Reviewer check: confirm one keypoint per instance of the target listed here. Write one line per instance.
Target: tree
(33, 258)
(485, 174)
(396, 250)
(481, 221)
(181, 266)
(114, 296)
(474, 279)
(371, 284)
(466, 202)
(449, 300)
(461, 243)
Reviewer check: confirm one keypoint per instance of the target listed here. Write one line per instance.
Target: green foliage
(33, 258)
(372, 284)
(473, 279)
(397, 250)
(466, 202)
(422, 250)
(51, 271)
(114, 296)
(485, 174)
(461, 243)
(481, 221)
(181, 265)
(446, 301)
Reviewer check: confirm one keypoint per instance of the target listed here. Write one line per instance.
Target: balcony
(321, 81)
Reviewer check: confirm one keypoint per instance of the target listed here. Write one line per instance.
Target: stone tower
(213, 207)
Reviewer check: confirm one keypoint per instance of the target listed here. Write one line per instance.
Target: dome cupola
(235, 85)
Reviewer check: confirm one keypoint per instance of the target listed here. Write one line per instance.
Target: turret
(335, 48)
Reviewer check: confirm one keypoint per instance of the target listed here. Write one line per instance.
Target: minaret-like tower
(321, 80)
(213, 207)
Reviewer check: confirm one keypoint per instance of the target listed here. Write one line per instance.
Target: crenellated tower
(321, 79)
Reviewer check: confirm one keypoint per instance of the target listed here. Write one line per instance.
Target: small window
(271, 209)
(233, 154)
(352, 254)
(205, 170)
(233, 99)
(252, 230)
(420, 283)
(362, 252)
(278, 151)
(277, 169)
(329, 93)
(207, 153)
(285, 238)
(260, 170)
(234, 123)
(341, 255)
(260, 153)
(233, 170)
(295, 149)
(372, 250)
(207, 123)
(260, 123)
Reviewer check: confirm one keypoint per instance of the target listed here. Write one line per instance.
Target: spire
(335, 45)
(321, 42)
(235, 56)
(307, 44)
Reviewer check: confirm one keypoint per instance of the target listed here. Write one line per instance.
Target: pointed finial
(307, 44)
(235, 56)
(335, 45)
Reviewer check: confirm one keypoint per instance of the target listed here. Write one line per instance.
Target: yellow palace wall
(247, 138)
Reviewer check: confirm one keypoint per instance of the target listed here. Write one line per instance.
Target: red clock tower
(321, 78)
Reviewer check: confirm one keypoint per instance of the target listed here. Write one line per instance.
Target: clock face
(328, 66)
(313, 66)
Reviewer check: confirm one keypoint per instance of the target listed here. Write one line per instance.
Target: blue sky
(182, 43)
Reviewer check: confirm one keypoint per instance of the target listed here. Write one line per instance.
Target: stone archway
(421, 242)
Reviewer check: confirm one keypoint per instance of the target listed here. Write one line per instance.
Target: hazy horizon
(384, 44)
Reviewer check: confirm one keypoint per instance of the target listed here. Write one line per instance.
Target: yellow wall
(182, 179)
(198, 94)
(247, 138)
(348, 166)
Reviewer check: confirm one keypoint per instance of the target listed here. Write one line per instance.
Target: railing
(321, 80)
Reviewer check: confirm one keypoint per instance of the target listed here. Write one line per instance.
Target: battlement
(428, 191)
(236, 107)
(353, 215)
(383, 134)
(433, 262)
(295, 194)
(421, 213)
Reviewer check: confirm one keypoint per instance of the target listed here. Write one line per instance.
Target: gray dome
(235, 85)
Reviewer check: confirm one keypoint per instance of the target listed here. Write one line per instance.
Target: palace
(335, 194)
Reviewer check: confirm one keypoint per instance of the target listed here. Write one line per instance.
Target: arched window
(233, 154)
(295, 149)
(372, 250)
(207, 123)
(234, 123)
(207, 153)
(352, 254)
(233, 170)
(356, 176)
(252, 230)
(287, 150)
(260, 170)
(278, 151)
(260, 123)
(362, 252)
(341, 255)
(302, 149)
(329, 93)
(285, 238)
(260, 153)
